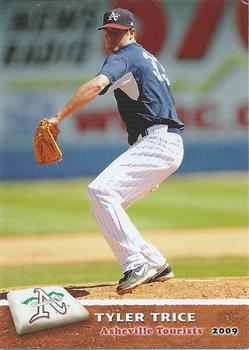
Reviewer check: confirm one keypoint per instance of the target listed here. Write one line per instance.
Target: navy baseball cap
(118, 18)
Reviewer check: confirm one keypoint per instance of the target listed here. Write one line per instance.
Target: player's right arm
(83, 96)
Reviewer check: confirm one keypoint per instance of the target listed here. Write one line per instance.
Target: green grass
(197, 201)
(43, 207)
(16, 276)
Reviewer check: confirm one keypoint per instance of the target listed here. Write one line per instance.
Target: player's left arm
(83, 96)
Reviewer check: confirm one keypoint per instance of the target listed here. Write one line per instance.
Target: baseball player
(145, 103)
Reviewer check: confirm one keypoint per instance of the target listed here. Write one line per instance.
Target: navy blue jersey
(141, 88)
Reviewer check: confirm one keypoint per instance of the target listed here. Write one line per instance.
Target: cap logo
(113, 16)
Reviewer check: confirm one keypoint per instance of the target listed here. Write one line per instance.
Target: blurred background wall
(49, 48)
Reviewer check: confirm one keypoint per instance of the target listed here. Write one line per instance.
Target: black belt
(174, 130)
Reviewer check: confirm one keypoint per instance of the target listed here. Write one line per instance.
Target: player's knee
(92, 190)
(97, 192)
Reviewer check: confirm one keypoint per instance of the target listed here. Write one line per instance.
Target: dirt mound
(177, 288)
(201, 288)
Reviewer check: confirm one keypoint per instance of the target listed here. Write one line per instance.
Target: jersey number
(157, 65)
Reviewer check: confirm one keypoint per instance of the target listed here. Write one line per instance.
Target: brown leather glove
(46, 148)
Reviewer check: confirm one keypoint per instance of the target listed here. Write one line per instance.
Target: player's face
(113, 38)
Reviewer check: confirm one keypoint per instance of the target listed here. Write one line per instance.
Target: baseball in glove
(46, 148)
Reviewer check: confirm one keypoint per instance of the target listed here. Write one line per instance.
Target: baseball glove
(46, 148)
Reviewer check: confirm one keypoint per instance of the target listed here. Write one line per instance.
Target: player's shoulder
(130, 56)
(133, 48)
(115, 57)
(131, 53)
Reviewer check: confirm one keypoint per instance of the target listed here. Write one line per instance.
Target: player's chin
(109, 48)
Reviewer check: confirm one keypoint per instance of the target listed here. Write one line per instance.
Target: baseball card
(123, 174)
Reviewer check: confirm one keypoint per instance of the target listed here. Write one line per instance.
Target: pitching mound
(201, 288)
(176, 288)
(89, 334)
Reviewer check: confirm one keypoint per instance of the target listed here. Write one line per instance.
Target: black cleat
(135, 278)
(163, 274)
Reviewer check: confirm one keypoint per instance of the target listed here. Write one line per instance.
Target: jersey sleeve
(114, 68)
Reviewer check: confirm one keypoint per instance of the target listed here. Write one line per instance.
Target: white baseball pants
(128, 178)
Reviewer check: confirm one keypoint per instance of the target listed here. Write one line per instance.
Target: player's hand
(54, 120)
